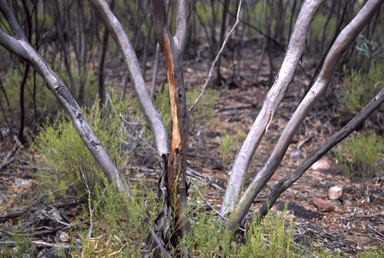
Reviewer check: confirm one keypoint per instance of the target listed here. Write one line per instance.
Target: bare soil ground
(356, 223)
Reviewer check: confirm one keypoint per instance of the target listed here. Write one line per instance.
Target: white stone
(335, 193)
(322, 164)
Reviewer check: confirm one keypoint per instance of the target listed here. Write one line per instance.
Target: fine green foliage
(318, 25)
(225, 144)
(201, 111)
(162, 105)
(22, 246)
(359, 88)
(39, 101)
(119, 225)
(357, 156)
(44, 103)
(372, 254)
(371, 50)
(229, 144)
(66, 165)
(270, 237)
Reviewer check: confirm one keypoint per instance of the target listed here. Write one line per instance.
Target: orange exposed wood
(176, 135)
(174, 173)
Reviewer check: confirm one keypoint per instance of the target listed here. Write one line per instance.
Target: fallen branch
(41, 232)
(38, 244)
(9, 157)
(195, 174)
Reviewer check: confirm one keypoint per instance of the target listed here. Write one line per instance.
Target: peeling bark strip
(174, 172)
(175, 175)
(176, 134)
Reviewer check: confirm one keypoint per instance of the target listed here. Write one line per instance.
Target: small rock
(322, 164)
(20, 182)
(323, 205)
(335, 193)
(296, 154)
(62, 236)
(198, 134)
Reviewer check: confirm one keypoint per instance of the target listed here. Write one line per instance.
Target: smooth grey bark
(345, 38)
(274, 97)
(152, 116)
(286, 182)
(18, 45)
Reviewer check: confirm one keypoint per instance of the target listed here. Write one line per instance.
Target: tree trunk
(274, 97)
(175, 174)
(347, 35)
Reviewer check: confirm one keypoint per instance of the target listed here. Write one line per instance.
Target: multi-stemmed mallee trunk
(173, 155)
(170, 225)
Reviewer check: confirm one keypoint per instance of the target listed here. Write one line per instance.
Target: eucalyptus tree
(171, 223)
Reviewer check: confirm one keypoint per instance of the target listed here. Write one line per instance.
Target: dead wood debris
(9, 157)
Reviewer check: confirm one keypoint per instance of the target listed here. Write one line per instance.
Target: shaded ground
(355, 224)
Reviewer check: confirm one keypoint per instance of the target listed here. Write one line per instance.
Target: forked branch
(345, 38)
(274, 97)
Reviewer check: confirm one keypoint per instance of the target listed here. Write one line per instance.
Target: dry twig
(9, 157)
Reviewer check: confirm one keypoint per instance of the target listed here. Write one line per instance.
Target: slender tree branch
(152, 116)
(274, 97)
(181, 24)
(286, 182)
(11, 19)
(210, 74)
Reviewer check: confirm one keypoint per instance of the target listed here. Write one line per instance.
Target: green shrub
(45, 103)
(204, 106)
(357, 156)
(119, 225)
(66, 165)
(359, 88)
(372, 254)
(370, 49)
(316, 29)
(267, 238)
(229, 144)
